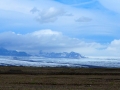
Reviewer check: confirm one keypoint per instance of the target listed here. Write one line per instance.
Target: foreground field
(31, 78)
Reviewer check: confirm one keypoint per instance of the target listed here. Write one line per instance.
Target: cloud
(114, 46)
(34, 10)
(83, 19)
(46, 32)
(49, 15)
(46, 40)
(76, 2)
(113, 5)
(103, 26)
(57, 16)
(69, 14)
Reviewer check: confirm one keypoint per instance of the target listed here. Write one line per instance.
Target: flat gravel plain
(59, 78)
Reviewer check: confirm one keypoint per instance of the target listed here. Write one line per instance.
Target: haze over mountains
(61, 55)
(74, 55)
(5, 52)
(52, 59)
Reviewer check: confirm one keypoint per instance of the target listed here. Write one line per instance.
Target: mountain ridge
(72, 55)
(61, 55)
(5, 52)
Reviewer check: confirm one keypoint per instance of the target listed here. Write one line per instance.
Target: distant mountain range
(5, 52)
(73, 55)
(61, 55)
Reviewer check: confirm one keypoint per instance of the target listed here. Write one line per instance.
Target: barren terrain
(34, 78)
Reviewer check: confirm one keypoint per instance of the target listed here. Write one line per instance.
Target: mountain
(61, 55)
(72, 55)
(5, 52)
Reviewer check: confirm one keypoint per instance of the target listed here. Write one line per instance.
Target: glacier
(36, 61)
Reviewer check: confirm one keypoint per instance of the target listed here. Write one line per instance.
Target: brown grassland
(48, 78)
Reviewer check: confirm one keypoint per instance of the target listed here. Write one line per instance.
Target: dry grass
(31, 78)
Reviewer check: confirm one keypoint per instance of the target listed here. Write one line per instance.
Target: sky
(89, 27)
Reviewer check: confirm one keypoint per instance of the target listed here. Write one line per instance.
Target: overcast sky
(90, 27)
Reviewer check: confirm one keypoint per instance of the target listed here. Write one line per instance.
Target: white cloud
(46, 32)
(114, 46)
(34, 10)
(16, 15)
(56, 16)
(15, 5)
(113, 5)
(83, 19)
(48, 40)
(49, 15)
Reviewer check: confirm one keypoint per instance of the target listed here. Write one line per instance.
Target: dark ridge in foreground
(72, 66)
(59, 71)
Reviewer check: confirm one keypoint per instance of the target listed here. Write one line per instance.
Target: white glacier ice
(57, 62)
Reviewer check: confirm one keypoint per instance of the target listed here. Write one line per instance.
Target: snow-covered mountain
(5, 52)
(52, 59)
(71, 55)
